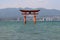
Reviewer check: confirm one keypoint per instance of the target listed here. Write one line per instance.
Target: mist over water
(17, 30)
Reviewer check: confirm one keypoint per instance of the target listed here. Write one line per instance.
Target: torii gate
(30, 12)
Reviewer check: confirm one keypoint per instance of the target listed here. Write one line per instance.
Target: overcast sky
(50, 4)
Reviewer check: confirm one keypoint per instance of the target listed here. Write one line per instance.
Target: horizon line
(31, 8)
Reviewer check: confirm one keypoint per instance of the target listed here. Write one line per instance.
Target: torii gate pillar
(25, 19)
(34, 19)
(30, 12)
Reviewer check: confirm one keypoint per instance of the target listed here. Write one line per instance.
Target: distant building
(49, 19)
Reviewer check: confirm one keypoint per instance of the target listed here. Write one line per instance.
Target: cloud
(32, 3)
(24, 3)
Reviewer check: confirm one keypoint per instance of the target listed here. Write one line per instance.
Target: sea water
(17, 30)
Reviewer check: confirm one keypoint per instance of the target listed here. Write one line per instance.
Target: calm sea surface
(14, 30)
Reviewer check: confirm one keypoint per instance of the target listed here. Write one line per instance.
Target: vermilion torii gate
(30, 12)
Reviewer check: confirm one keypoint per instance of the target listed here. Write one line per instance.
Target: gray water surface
(14, 30)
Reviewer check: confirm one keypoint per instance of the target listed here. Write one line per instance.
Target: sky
(49, 4)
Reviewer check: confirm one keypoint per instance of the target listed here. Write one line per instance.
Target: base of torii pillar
(34, 19)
